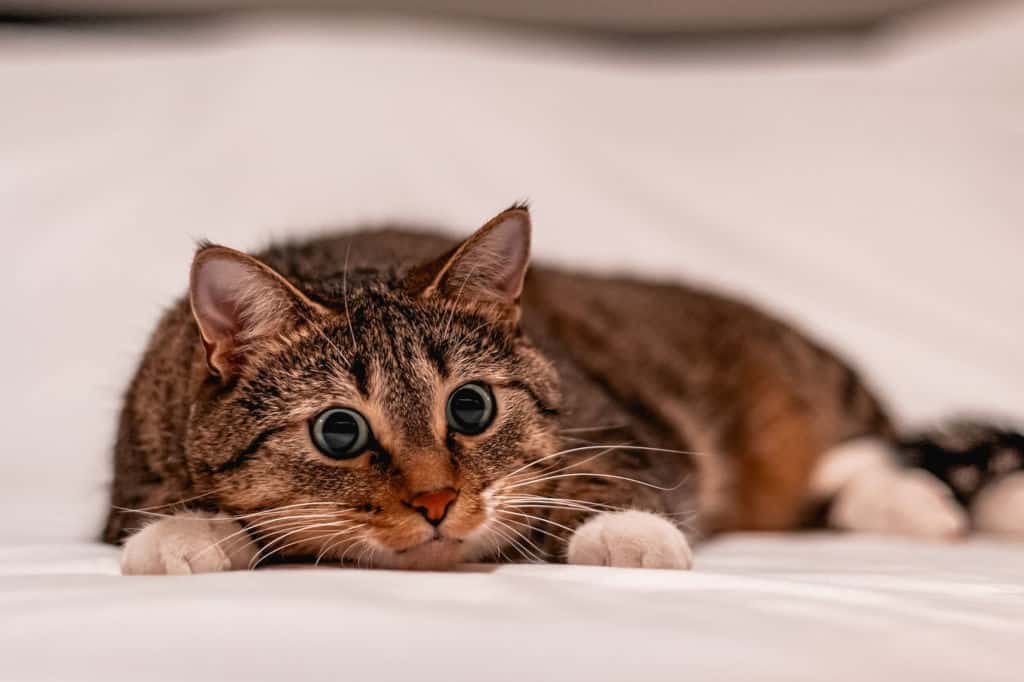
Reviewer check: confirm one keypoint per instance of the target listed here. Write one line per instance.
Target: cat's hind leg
(869, 491)
(999, 507)
(186, 543)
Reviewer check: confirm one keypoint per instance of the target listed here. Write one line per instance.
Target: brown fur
(389, 322)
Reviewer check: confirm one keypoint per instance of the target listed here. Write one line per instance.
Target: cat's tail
(981, 461)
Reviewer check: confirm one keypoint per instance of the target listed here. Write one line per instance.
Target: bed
(867, 188)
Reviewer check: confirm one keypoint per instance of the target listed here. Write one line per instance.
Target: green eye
(470, 409)
(340, 433)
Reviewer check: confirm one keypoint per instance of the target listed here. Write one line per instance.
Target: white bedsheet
(769, 608)
(874, 195)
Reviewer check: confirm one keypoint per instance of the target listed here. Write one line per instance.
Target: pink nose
(434, 505)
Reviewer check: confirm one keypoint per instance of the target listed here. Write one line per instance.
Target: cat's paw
(186, 544)
(908, 502)
(630, 539)
(999, 507)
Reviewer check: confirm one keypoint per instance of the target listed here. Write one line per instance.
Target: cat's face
(384, 430)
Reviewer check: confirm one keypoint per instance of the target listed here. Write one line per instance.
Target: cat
(388, 398)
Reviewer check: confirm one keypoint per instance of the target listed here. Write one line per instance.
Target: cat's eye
(340, 433)
(470, 409)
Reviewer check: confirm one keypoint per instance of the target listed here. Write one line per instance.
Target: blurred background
(855, 165)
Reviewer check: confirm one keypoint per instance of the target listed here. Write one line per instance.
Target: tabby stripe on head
(357, 368)
(240, 459)
(525, 388)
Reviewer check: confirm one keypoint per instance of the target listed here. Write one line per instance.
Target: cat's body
(728, 418)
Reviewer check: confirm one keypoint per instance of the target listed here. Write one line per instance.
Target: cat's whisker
(555, 506)
(521, 496)
(506, 541)
(514, 540)
(167, 504)
(583, 429)
(249, 530)
(336, 539)
(582, 462)
(523, 544)
(308, 540)
(538, 518)
(531, 500)
(268, 527)
(544, 479)
(608, 447)
(560, 453)
(228, 517)
(533, 528)
(274, 547)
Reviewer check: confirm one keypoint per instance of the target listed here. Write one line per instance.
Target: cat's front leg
(189, 542)
(630, 539)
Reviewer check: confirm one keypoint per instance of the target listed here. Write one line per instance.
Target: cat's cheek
(630, 539)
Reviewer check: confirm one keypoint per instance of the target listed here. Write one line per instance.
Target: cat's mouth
(435, 553)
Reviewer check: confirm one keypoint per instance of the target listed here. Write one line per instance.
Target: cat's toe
(184, 545)
(999, 507)
(905, 502)
(630, 539)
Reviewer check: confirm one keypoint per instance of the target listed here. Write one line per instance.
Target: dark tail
(968, 455)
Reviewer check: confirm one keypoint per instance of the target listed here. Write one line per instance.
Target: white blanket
(768, 608)
(872, 193)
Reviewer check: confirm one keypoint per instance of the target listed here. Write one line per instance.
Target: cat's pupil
(340, 433)
(470, 409)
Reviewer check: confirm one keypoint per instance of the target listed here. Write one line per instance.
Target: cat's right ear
(237, 301)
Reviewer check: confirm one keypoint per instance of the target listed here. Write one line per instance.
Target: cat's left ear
(489, 267)
(239, 303)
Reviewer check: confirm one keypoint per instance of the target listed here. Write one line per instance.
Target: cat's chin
(441, 554)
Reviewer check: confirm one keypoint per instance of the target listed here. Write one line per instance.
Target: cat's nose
(433, 506)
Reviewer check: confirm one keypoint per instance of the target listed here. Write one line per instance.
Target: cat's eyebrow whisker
(319, 330)
(344, 296)
(458, 297)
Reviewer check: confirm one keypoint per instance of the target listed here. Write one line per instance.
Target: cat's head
(380, 425)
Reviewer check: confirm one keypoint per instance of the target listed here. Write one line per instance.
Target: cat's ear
(488, 267)
(238, 301)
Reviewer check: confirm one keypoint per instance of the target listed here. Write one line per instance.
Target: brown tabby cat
(388, 399)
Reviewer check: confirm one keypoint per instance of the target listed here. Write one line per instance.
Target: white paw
(185, 544)
(901, 502)
(630, 539)
(999, 507)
